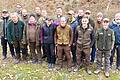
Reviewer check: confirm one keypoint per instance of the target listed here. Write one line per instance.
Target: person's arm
(96, 39)
(113, 39)
(71, 37)
(9, 29)
(92, 38)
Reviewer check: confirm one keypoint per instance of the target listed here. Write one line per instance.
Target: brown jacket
(85, 37)
(25, 39)
(63, 35)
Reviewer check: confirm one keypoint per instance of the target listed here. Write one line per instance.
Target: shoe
(70, 70)
(97, 71)
(16, 61)
(34, 61)
(107, 74)
(89, 71)
(58, 68)
(76, 69)
(4, 57)
(53, 65)
(118, 68)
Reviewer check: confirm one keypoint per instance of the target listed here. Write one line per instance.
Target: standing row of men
(76, 38)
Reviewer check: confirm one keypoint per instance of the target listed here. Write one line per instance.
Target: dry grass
(94, 5)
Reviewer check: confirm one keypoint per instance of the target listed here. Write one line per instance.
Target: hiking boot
(34, 61)
(118, 68)
(107, 74)
(4, 57)
(16, 61)
(89, 71)
(76, 69)
(97, 71)
(70, 70)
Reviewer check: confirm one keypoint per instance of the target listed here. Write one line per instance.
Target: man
(80, 16)
(15, 32)
(73, 24)
(104, 44)
(92, 23)
(59, 14)
(85, 40)
(98, 23)
(19, 9)
(24, 17)
(3, 35)
(41, 22)
(37, 12)
(63, 41)
(115, 26)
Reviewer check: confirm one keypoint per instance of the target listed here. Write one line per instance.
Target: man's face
(105, 24)
(24, 12)
(63, 23)
(85, 21)
(49, 22)
(5, 14)
(99, 18)
(70, 16)
(117, 18)
(37, 10)
(14, 18)
(87, 14)
(80, 12)
(44, 13)
(59, 11)
(19, 7)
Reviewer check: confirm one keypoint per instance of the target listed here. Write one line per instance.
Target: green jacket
(10, 30)
(104, 39)
(1, 27)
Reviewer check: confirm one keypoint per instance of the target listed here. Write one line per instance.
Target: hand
(69, 45)
(56, 45)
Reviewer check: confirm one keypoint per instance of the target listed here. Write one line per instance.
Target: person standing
(33, 37)
(85, 40)
(14, 34)
(73, 24)
(3, 34)
(104, 44)
(63, 41)
(48, 31)
(115, 26)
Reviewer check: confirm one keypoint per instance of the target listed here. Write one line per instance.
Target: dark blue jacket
(116, 28)
(73, 25)
(47, 33)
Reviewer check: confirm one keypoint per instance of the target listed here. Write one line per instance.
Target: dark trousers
(17, 44)
(43, 48)
(50, 51)
(86, 53)
(66, 49)
(93, 53)
(4, 43)
(117, 48)
(73, 50)
(35, 56)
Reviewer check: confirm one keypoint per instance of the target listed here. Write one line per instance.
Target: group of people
(77, 39)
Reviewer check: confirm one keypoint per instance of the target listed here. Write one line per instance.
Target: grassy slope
(10, 71)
